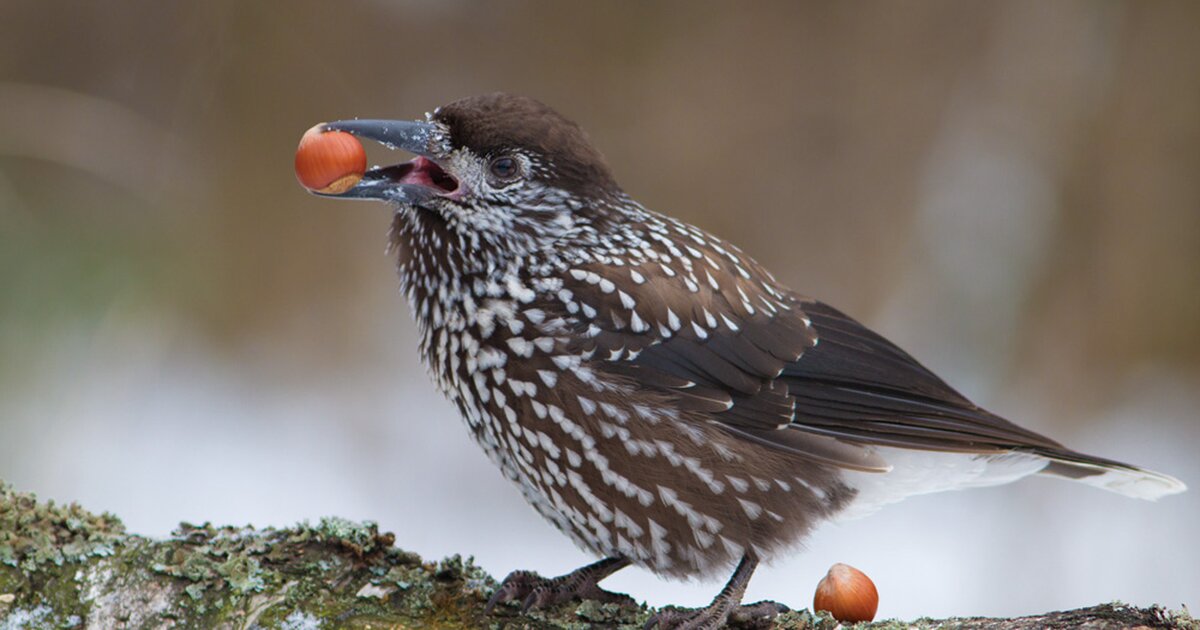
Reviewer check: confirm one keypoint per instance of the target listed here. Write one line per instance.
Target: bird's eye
(505, 168)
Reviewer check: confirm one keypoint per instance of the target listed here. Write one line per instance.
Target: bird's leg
(724, 608)
(535, 591)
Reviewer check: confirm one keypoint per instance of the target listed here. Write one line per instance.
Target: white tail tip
(1131, 482)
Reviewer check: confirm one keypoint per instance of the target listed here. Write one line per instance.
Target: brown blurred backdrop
(1011, 191)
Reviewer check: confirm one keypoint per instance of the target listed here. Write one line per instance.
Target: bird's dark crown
(493, 124)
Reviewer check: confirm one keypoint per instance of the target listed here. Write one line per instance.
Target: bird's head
(503, 169)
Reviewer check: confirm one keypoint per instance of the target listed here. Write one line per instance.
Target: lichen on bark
(64, 567)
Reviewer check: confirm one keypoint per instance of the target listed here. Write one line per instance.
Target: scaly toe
(518, 585)
(757, 615)
(672, 618)
(535, 591)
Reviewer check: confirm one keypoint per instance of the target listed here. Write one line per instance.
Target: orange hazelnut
(330, 162)
(847, 594)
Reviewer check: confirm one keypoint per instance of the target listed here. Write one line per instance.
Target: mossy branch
(64, 567)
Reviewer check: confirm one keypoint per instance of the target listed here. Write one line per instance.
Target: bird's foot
(535, 591)
(716, 615)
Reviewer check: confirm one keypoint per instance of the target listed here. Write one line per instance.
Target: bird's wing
(699, 333)
(775, 368)
(857, 385)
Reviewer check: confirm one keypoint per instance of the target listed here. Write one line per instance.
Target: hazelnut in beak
(329, 162)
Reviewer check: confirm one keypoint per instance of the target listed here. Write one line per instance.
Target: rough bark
(64, 567)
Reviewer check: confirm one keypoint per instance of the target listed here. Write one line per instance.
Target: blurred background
(1011, 191)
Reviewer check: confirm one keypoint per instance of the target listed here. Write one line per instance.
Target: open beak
(412, 182)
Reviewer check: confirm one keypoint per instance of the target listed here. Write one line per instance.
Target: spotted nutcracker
(653, 391)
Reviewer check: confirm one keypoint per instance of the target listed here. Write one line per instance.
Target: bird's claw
(535, 591)
(716, 615)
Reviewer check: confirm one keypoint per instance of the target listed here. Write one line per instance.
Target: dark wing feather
(853, 354)
(743, 353)
(857, 385)
(710, 366)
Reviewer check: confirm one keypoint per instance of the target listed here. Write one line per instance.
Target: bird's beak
(412, 182)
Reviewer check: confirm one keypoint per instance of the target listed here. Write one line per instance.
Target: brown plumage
(653, 391)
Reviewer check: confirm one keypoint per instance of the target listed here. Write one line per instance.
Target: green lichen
(34, 534)
(43, 549)
(362, 538)
(215, 558)
(336, 569)
(592, 614)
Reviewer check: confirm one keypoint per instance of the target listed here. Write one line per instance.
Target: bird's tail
(1113, 476)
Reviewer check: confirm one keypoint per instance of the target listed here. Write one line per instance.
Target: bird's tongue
(420, 172)
(425, 172)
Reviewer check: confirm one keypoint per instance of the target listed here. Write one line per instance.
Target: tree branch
(64, 567)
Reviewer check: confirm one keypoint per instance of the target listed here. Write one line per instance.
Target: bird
(653, 391)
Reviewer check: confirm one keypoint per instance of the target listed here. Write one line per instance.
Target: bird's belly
(626, 475)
